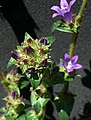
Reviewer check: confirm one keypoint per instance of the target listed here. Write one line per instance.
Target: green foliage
(64, 104)
(38, 72)
(38, 102)
(8, 117)
(50, 40)
(11, 62)
(23, 84)
(63, 115)
(64, 27)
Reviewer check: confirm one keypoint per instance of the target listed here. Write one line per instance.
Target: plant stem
(75, 36)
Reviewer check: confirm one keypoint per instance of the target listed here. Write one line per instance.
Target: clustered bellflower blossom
(64, 10)
(70, 64)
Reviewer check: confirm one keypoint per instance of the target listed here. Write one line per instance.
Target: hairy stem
(75, 36)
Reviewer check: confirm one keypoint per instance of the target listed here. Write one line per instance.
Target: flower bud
(31, 71)
(16, 55)
(28, 50)
(13, 94)
(43, 41)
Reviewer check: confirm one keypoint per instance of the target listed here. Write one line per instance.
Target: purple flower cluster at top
(64, 10)
(70, 64)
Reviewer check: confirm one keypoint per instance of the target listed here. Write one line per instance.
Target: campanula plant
(28, 92)
(68, 21)
(64, 11)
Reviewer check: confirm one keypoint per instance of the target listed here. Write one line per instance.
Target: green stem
(75, 36)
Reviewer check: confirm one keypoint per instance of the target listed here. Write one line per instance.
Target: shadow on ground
(86, 112)
(15, 12)
(86, 81)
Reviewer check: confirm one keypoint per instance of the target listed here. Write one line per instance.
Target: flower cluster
(32, 55)
(13, 101)
(64, 11)
(70, 64)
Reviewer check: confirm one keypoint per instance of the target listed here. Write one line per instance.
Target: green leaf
(63, 27)
(8, 117)
(11, 62)
(22, 117)
(2, 110)
(56, 25)
(63, 115)
(54, 78)
(50, 39)
(37, 107)
(27, 36)
(24, 84)
(35, 83)
(33, 97)
(24, 68)
(43, 101)
(31, 115)
(69, 79)
(65, 102)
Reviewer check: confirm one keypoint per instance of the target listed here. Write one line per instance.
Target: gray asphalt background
(40, 11)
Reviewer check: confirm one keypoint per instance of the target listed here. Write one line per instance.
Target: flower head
(64, 10)
(70, 64)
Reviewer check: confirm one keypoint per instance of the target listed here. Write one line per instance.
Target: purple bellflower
(70, 64)
(64, 10)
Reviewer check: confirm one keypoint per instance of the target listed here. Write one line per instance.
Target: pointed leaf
(24, 84)
(63, 115)
(50, 39)
(27, 36)
(11, 62)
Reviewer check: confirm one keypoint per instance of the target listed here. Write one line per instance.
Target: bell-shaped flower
(70, 64)
(64, 10)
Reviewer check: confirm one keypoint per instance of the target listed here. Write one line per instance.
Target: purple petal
(14, 94)
(55, 15)
(64, 3)
(77, 66)
(31, 71)
(74, 59)
(57, 9)
(67, 17)
(71, 3)
(67, 57)
(70, 70)
(62, 64)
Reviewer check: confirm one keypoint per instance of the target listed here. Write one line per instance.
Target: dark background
(34, 17)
